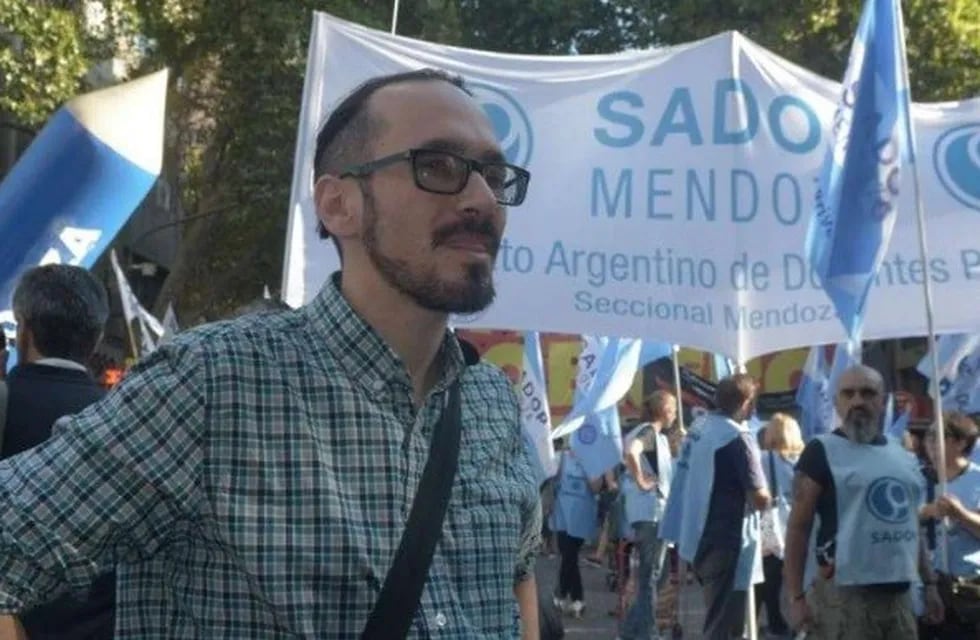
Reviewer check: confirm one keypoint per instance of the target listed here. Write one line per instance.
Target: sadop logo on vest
(956, 156)
(888, 500)
(510, 122)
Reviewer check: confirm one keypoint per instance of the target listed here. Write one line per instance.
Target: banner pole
(750, 617)
(920, 221)
(675, 353)
(394, 18)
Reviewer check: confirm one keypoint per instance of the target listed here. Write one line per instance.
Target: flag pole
(750, 617)
(675, 353)
(920, 221)
(394, 18)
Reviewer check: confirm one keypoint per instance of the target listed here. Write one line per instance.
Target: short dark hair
(963, 428)
(350, 128)
(64, 307)
(733, 392)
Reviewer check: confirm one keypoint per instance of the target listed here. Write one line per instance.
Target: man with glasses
(253, 479)
(864, 490)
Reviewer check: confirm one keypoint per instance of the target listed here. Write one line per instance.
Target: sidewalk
(597, 623)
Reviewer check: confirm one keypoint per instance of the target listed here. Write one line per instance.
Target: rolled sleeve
(106, 487)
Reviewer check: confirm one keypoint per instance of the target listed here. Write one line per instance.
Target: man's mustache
(483, 228)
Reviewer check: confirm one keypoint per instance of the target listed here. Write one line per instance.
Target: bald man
(863, 491)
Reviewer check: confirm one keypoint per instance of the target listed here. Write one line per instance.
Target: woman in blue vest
(960, 509)
(783, 444)
(574, 520)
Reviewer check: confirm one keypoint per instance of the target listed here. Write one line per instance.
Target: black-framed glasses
(866, 393)
(448, 173)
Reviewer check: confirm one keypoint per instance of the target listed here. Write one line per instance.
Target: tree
(237, 75)
(42, 59)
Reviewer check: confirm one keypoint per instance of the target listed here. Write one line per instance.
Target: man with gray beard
(863, 491)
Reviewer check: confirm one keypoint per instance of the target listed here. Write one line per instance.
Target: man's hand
(950, 506)
(800, 616)
(928, 511)
(647, 482)
(935, 612)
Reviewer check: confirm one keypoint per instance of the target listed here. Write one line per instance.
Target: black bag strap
(399, 599)
(3, 410)
(772, 473)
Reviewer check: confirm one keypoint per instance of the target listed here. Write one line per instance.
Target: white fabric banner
(670, 193)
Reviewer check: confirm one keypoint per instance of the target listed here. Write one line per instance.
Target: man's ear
(338, 206)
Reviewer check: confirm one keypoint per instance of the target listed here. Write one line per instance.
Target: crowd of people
(352, 469)
(846, 536)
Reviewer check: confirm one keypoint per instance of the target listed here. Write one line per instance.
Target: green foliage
(237, 75)
(943, 36)
(42, 59)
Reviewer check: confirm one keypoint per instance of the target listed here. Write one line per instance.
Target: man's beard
(860, 426)
(428, 290)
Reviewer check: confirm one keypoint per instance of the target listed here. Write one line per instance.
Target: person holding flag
(959, 512)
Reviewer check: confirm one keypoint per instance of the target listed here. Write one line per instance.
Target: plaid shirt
(252, 478)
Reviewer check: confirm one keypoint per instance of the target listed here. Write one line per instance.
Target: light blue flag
(857, 200)
(606, 370)
(652, 351)
(598, 443)
(896, 428)
(959, 371)
(724, 366)
(889, 414)
(80, 180)
(535, 412)
(813, 393)
(843, 360)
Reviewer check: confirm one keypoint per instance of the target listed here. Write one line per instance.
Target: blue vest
(690, 498)
(647, 506)
(964, 547)
(878, 499)
(576, 510)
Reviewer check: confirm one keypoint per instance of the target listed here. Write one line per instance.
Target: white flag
(535, 412)
(170, 326)
(129, 302)
(133, 310)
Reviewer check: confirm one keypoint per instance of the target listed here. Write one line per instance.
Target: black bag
(962, 596)
(399, 599)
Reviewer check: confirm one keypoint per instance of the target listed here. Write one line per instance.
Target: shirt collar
(360, 350)
(61, 363)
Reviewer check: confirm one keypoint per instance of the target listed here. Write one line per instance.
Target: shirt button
(441, 619)
(378, 385)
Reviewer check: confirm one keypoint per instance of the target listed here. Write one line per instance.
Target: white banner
(670, 193)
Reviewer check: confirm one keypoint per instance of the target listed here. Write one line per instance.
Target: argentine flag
(80, 180)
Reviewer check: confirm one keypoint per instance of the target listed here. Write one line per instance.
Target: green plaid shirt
(252, 479)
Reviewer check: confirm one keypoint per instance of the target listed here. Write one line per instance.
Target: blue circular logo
(957, 159)
(587, 434)
(510, 123)
(889, 500)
